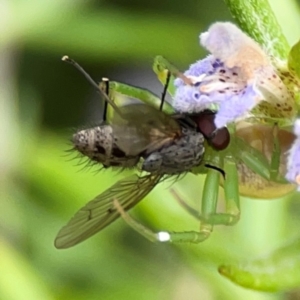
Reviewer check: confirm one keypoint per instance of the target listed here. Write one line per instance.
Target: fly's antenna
(165, 90)
(90, 80)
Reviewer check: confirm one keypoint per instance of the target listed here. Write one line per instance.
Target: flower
(237, 77)
(293, 161)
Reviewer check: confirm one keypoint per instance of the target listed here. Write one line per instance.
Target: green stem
(257, 19)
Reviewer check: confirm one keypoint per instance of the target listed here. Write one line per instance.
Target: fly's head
(218, 139)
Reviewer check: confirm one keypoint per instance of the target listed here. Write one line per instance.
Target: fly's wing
(142, 127)
(100, 212)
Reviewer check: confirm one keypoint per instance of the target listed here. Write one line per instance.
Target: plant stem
(257, 19)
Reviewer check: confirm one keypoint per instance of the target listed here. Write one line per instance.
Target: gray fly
(140, 136)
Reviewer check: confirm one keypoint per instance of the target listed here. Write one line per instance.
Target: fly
(141, 136)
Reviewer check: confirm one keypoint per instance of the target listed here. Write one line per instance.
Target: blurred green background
(41, 98)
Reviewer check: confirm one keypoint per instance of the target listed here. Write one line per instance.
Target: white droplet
(163, 236)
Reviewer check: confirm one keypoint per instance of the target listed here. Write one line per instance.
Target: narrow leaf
(278, 271)
(257, 19)
(294, 59)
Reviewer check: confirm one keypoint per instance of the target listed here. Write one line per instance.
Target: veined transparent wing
(142, 127)
(100, 212)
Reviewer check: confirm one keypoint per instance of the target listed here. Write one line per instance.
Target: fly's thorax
(179, 156)
(98, 144)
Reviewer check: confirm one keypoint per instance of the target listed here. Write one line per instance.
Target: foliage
(40, 188)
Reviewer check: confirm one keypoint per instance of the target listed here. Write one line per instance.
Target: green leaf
(257, 19)
(21, 280)
(278, 271)
(294, 59)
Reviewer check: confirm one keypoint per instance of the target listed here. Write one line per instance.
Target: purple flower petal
(204, 66)
(236, 107)
(236, 77)
(228, 43)
(215, 84)
(188, 99)
(293, 162)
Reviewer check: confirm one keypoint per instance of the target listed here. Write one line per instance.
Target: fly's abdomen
(98, 144)
(180, 156)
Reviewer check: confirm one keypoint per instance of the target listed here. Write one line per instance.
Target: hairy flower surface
(239, 78)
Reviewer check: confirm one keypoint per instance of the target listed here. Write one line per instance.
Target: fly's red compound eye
(219, 139)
